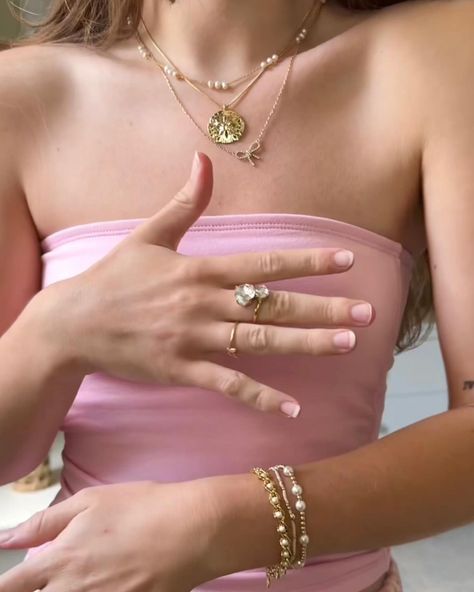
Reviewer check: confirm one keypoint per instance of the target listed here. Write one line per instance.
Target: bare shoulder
(34, 79)
(27, 68)
(428, 38)
(31, 79)
(39, 87)
(427, 19)
(422, 56)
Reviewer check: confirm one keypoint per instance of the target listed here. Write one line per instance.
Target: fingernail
(344, 339)
(343, 258)
(362, 312)
(290, 409)
(196, 163)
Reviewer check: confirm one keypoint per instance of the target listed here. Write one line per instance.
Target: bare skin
(112, 143)
(136, 131)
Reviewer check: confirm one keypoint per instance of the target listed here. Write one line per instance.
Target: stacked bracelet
(291, 514)
(279, 569)
(288, 558)
(300, 506)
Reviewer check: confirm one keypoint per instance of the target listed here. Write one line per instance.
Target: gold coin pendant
(226, 126)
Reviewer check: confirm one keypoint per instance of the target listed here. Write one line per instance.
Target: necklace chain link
(171, 68)
(251, 152)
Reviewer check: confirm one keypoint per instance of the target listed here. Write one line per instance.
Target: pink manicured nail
(343, 258)
(290, 409)
(344, 339)
(361, 312)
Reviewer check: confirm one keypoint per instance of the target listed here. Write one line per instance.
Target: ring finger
(268, 339)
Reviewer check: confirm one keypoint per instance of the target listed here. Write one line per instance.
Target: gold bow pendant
(250, 152)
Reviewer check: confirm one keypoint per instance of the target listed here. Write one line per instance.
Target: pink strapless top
(119, 431)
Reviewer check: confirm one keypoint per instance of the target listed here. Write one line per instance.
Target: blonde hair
(100, 23)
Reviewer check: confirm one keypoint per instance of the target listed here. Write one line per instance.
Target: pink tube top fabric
(120, 431)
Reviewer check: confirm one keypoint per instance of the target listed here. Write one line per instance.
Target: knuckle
(173, 373)
(68, 557)
(170, 339)
(37, 522)
(86, 495)
(167, 330)
(280, 305)
(258, 338)
(270, 263)
(184, 197)
(183, 300)
(64, 551)
(232, 383)
(328, 311)
(261, 398)
(184, 305)
(312, 341)
(191, 269)
(312, 261)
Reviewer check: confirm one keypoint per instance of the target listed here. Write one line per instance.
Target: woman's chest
(334, 144)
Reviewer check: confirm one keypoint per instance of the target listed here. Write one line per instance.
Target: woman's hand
(127, 537)
(147, 313)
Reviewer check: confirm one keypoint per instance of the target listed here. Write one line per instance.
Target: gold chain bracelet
(291, 515)
(277, 570)
(300, 506)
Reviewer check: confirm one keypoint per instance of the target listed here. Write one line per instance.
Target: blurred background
(416, 389)
(9, 26)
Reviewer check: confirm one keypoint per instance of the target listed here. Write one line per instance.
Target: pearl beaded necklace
(223, 85)
(226, 125)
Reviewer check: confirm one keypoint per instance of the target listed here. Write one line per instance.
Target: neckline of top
(223, 221)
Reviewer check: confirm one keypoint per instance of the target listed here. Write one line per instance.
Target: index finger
(278, 264)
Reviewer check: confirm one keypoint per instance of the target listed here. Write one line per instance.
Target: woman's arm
(34, 392)
(409, 485)
(37, 387)
(418, 481)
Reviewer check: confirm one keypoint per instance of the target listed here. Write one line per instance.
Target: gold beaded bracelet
(277, 570)
(291, 514)
(300, 506)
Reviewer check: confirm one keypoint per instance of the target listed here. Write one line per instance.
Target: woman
(119, 307)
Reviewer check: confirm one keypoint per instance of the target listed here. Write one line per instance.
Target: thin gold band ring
(256, 309)
(231, 349)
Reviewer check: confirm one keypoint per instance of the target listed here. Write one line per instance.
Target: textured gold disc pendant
(226, 126)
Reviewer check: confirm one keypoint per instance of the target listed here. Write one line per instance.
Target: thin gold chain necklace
(226, 125)
(172, 69)
(251, 152)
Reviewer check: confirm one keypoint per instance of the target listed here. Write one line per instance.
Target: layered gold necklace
(227, 125)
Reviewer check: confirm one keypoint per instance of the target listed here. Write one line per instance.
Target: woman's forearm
(38, 384)
(411, 484)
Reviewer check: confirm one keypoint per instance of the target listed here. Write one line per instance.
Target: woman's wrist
(244, 531)
(44, 323)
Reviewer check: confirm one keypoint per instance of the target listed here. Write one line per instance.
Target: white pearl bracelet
(300, 506)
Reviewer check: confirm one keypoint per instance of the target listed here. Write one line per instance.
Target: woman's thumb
(167, 227)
